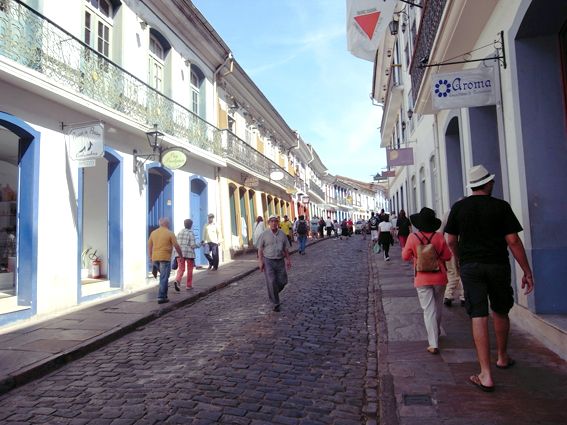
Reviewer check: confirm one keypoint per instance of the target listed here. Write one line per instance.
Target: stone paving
(348, 347)
(228, 358)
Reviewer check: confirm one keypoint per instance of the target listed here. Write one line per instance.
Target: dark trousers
(213, 255)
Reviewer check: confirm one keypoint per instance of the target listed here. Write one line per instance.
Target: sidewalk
(31, 351)
(419, 388)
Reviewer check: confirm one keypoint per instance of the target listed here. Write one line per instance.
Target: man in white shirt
(212, 237)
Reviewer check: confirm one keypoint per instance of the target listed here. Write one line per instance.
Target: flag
(399, 157)
(465, 89)
(366, 22)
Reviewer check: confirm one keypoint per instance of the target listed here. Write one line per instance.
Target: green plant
(88, 256)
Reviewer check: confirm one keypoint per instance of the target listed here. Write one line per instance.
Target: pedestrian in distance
(212, 237)
(385, 236)
(302, 230)
(373, 226)
(259, 228)
(403, 225)
(186, 240)
(321, 228)
(161, 243)
(429, 282)
(329, 226)
(314, 224)
(274, 260)
(480, 230)
(286, 227)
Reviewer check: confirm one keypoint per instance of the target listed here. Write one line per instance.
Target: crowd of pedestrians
(465, 255)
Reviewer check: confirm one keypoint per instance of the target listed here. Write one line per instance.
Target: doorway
(198, 206)
(160, 199)
(19, 175)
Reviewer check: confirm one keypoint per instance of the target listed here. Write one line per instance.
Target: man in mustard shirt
(286, 227)
(160, 246)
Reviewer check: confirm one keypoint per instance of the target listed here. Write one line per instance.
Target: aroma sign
(464, 89)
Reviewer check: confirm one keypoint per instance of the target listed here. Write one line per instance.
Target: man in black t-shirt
(480, 230)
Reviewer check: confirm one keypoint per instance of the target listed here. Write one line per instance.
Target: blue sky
(295, 52)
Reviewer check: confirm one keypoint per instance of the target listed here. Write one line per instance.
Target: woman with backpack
(429, 251)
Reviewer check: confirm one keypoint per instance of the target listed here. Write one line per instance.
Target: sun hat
(426, 220)
(273, 217)
(478, 175)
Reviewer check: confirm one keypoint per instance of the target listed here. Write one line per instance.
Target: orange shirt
(410, 252)
(162, 240)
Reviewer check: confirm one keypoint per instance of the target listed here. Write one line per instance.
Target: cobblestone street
(228, 358)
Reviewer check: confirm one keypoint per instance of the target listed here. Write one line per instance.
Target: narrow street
(228, 358)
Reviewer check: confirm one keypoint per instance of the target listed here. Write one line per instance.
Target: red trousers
(181, 270)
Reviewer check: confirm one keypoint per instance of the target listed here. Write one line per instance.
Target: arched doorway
(160, 198)
(198, 206)
(19, 150)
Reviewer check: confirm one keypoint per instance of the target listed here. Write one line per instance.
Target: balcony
(313, 187)
(33, 41)
(242, 154)
(430, 21)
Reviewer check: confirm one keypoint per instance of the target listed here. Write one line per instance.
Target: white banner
(465, 89)
(366, 22)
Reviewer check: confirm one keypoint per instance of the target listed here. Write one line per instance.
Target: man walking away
(272, 250)
(302, 229)
(480, 228)
(160, 246)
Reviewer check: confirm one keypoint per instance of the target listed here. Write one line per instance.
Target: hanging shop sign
(399, 157)
(86, 144)
(465, 89)
(173, 158)
(305, 199)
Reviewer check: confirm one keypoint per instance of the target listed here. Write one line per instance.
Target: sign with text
(465, 89)
(86, 142)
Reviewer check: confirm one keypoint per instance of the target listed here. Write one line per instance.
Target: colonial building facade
(114, 113)
(520, 138)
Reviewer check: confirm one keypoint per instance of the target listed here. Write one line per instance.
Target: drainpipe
(229, 58)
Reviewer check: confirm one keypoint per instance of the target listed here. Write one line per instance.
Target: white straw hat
(478, 175)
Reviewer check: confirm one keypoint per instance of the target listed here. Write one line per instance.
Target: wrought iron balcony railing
(313, 187)
(431, 18)
(239, 151)
(28, 38)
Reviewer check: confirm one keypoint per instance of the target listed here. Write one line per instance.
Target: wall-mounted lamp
(143, 24)
(403, 125)
(395, 24)
(154, 138)
(187, 63)
(410, 113)
(172, 157)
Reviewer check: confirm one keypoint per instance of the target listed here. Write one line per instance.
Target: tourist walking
(161, 243)
(274, 260)
(385, 237)
(480, 230)
(302, 229)
(403, 225)
(186, 240)
(430, 273)
(212, 237)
